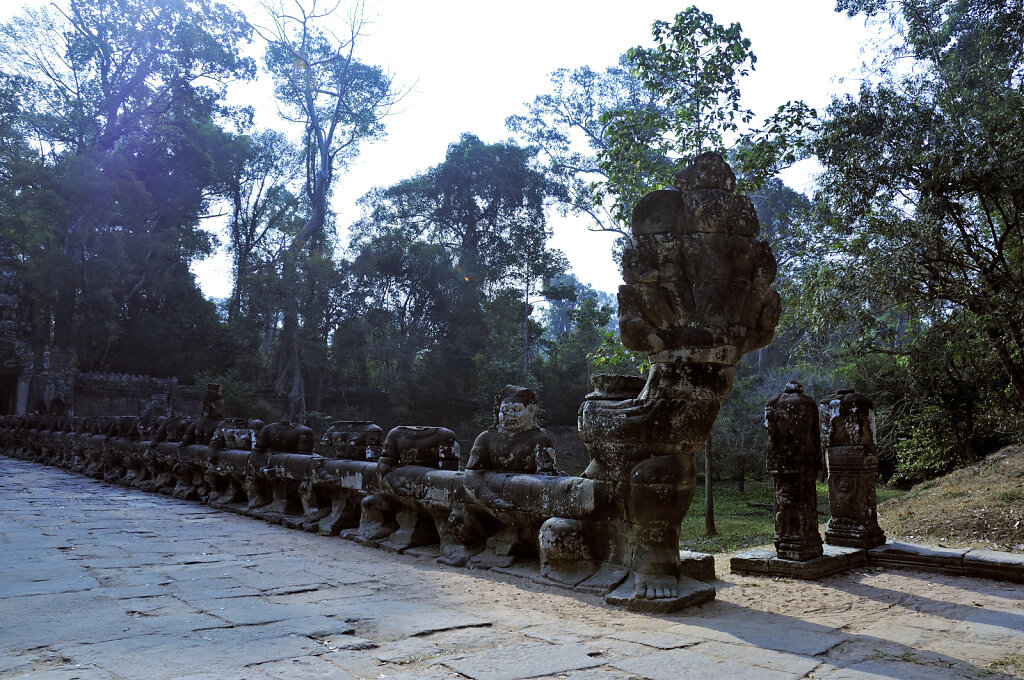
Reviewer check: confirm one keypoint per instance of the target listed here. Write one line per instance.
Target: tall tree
(570, 127)
(486, 206)
(124, 103)
(340, 102)
(264, 205)
(922, 201)
(639, 122)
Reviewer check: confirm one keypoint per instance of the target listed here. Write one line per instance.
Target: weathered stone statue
(514, 444)
(201, 431)
(284, 437)
(400, 519)
(352, 440)
(848, 432)
(383, 517)
(432, 447)
(696, 297)
(793, 461)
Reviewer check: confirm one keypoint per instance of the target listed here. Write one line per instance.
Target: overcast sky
(471, 63)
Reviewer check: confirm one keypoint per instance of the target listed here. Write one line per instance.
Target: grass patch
(744, 519)
(882, 493)
(741, 518)
(1008, 495)
(1011, 664)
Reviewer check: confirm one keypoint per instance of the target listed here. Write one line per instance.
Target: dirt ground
(979, 506)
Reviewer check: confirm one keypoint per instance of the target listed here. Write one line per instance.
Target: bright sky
(472, 63)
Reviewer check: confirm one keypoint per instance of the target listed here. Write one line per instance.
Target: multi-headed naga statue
(696, 297)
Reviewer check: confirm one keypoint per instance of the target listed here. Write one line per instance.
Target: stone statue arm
(189, 437)
(474, 480)
(387, 462)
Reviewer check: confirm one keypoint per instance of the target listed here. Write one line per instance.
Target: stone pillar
(793, 461)
(848, 435)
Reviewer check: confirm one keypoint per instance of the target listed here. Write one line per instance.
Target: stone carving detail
(848, 433)
(793, 461)
(352, 440)
(696, 297)
(284, 437)
(515, 443)
(432, 447)
(236, 433)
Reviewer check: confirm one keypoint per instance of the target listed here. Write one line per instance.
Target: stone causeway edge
(976, 562)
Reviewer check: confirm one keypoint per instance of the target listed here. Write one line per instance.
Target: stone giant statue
(696, 297)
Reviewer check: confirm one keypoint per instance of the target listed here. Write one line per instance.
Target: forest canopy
(121, 152)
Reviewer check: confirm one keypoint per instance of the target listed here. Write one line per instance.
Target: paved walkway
(97, 581)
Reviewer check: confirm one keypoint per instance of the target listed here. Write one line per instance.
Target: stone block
(1001, 566)
(751, 562)
(696, 565)
(657, 639)
(685, 663)
(607, 577)
(523, 661)
(914, 556)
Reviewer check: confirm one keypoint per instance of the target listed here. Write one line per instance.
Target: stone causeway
(101, 581)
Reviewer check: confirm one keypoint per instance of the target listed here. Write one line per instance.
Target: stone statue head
(516, 409)
(213, 401)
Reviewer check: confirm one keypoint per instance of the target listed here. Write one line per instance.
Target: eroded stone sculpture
(848, 433)
(352, 440)
(514, 444)
(696, 297)
(793, 461)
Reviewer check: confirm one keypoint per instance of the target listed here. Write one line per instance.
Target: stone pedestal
(848, 434)
(832, 560)
(793, 461)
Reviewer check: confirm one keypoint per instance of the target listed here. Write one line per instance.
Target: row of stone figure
(413, 487)
(798, 429)
(400, 491)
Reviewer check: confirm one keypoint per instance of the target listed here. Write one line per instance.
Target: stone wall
(98, 394)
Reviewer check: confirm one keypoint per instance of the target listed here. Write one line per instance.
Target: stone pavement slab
(304, 668)
(530, 660)
(102, 582)
(692, 665)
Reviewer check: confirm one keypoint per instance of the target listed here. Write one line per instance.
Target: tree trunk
(709, 493)
(526, 331)
(1011, 368)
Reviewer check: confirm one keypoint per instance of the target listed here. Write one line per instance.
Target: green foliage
(693, 72)
(340, 103)
(922, 231)
(448, 266)
(928, 445)
(693, 69)
(1009, 495)
(562, 371)
(570, 128)
(124, 105)
(240, 399)
(611, 357)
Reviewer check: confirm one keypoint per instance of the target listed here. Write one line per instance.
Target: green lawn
(740, 524)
